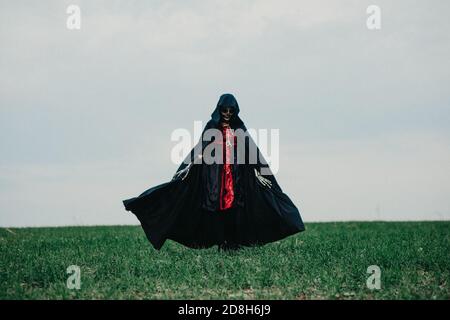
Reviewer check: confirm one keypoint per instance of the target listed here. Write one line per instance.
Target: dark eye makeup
(230, 110)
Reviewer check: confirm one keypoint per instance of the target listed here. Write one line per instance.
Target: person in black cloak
(231, 203)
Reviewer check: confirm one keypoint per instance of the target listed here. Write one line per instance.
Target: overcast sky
(86, 115)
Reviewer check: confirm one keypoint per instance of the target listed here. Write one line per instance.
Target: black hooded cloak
(187, 210)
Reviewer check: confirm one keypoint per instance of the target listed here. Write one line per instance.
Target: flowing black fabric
(186, 211)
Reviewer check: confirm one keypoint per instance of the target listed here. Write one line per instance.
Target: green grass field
(327, 261)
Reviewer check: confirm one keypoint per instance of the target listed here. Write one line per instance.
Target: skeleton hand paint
(264, 181)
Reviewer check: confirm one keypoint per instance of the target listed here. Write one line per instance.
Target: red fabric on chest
(227, 183)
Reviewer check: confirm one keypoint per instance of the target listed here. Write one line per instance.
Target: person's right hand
(182, 173)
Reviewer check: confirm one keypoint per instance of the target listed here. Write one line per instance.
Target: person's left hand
(264, 181)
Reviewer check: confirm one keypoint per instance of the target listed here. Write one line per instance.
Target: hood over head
(227, 100)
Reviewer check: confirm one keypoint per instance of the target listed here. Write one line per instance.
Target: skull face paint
(226, 113)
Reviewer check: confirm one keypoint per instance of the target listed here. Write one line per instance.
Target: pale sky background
(86, 115)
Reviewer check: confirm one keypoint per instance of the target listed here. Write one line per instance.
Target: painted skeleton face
(226, 114)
